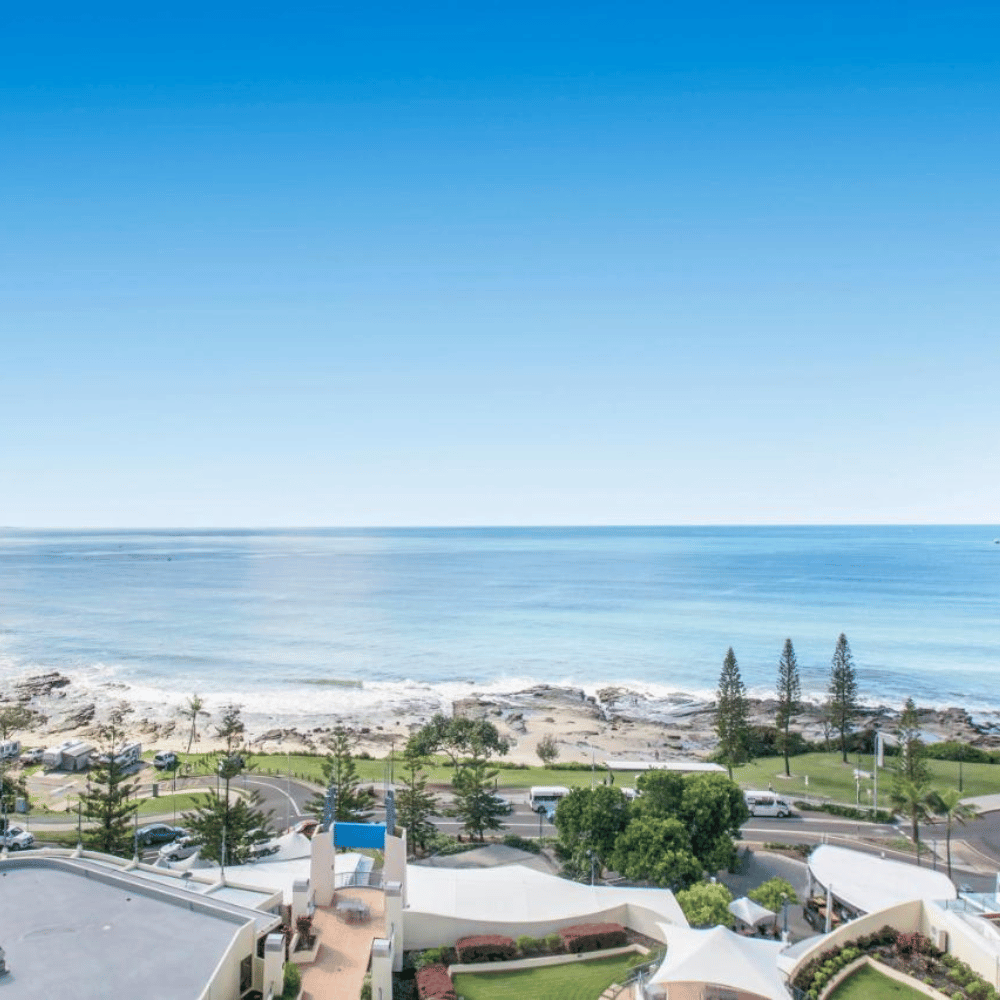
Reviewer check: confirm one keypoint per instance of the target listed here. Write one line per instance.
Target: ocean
(300, 622)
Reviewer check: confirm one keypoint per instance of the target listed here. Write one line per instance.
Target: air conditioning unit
(940, 938)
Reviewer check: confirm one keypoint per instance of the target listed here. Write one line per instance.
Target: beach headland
(610, 722)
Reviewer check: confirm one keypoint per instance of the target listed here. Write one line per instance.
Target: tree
(843, 691)
(109, 803)
(415, 805)
(547, 750)
(354, 803)
(706, 904)
(731, 715)
(458, 737)
(591, 819)
(194, 708)
(949, 805)
(662, 795)
(789, 692)
(911, 779)
(476, 804)
(226, 826)
(658, 851)
(713, 810)
(11, 789)
(13, 718)
(773, 894)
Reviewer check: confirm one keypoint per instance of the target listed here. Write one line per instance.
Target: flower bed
(911, 954)
(593, 937)
(485, 948)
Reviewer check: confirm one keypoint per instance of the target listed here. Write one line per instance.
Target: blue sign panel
(359, 835)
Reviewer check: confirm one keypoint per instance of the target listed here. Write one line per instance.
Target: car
(179, 849)
(159, 833)
(32, 756)
(16, 839)
(165, 760)
(263, 849)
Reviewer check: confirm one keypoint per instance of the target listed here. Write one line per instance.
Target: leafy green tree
(109, 803)
(475, 801)
(915, 800)
(731, 722)
(591, 819)
(547, 750)
(354, 802)
(192, 711)
(843, 691)
(12, 788)
(457, 738)
(706, 904)
(14, 718)
(949, 805)
(773, 893)
(658, 851)
(713, 810)
(415, 805)
(223, 823)
(662, 795)
(789, 692)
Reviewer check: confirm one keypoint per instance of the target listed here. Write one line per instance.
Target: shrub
(592, 937)
(554, 942)
(521, 843)
(292, 982)
(432, 956)
(528, 945)
(434, 983)
(366, 987)
(485, 948)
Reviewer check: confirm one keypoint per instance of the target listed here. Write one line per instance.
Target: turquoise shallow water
(354, 618)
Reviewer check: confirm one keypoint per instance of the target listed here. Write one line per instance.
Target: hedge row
(434, 983)
(593, 937)
(485, 948)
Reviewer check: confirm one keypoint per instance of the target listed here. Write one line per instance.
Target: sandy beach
(614, 722)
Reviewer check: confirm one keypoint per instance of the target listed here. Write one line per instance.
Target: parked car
(32, 756)
(263, 849)
(16, 839)
(180, 849)
(165, 760)
(159, 833)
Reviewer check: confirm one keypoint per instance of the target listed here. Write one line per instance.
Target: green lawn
(831, 778)
(579, 981)
(167, 803)
(869, 984)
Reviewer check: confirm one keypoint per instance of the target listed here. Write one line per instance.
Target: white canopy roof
(749, 912)
(516, 894)
(869, 884)
(721, 957)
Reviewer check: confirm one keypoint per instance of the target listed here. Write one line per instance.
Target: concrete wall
(225, 981)
(980, 953)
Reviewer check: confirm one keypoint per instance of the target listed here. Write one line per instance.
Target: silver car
(179, 849)
(16, 839)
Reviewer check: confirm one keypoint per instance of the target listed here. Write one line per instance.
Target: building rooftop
(75, 927)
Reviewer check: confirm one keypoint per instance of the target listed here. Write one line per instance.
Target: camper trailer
(70, 755)
(9, 749)
(125, 757)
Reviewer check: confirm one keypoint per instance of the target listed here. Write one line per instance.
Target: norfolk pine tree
(843, 691)
(109, 802)
(354, 803)
(731, 715)
(789, 692)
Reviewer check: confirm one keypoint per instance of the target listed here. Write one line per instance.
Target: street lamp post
(784, 913)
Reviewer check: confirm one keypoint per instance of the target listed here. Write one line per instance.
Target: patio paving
(342, 959)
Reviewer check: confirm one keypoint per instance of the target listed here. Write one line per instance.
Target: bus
(545, 798)
(766, 804)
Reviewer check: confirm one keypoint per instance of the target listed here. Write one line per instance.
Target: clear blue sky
(499, 263)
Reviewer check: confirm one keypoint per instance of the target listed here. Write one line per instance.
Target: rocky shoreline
(612, 722)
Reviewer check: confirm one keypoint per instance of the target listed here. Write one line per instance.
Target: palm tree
(194, 707)
(915, 798)
(949, 805)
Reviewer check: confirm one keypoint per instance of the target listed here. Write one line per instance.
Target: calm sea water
(304, 621)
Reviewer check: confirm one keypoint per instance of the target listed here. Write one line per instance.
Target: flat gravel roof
(71, 931)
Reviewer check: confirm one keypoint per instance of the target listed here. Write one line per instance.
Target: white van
(767, 804)
(545, 798)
